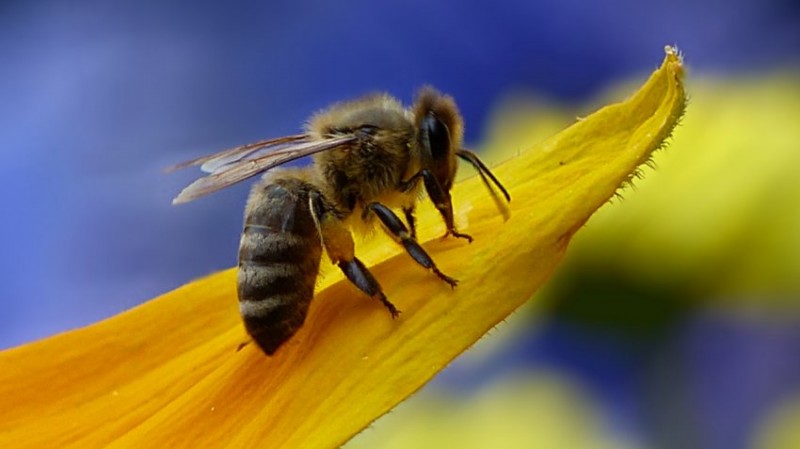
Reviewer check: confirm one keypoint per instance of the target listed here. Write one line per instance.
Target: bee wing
(212, 162)
(227, 174)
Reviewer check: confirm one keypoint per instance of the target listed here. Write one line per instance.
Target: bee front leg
(395, 226)
(441, 199)
(338, 243)
(409, 213)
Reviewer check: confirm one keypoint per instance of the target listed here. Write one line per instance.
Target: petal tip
(674, 59)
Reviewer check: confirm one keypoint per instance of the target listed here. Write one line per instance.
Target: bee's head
(440, 131)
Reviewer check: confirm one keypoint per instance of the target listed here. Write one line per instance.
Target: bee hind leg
(338, 243)
(398, 230)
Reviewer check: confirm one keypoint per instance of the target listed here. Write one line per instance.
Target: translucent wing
(238, 164)
(213, 161)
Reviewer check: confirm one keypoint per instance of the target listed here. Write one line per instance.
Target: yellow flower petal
(718, 222)
(168, 373)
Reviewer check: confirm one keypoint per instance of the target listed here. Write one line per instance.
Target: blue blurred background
(96, 97)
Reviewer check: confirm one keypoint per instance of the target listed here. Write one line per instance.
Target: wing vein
(251, 162)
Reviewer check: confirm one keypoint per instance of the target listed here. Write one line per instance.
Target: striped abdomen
(279, 256)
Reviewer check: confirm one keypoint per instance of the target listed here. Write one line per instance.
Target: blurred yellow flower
(168, 373)
(529, 409)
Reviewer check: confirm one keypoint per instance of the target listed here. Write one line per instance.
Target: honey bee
(371, 156)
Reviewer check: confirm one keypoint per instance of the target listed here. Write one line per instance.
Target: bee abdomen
(279, 258)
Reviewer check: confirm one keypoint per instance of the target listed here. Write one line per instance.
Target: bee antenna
(483, 170)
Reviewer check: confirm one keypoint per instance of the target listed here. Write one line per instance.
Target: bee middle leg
(409, 213)
(339, 245)
(395, 226)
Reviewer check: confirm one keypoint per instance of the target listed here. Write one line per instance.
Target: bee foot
(452, 282)
(392, 309)
(457, 234)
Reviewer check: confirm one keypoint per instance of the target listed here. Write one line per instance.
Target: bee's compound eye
(436, 135)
